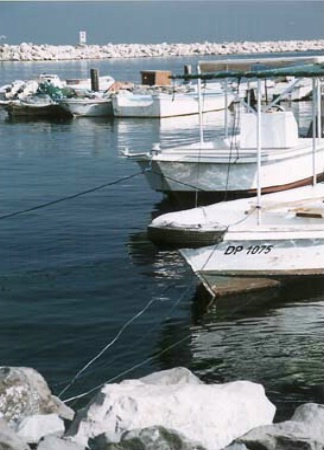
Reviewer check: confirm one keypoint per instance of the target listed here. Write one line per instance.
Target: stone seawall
(31, 52)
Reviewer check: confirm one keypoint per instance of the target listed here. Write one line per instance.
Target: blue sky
(154, 21)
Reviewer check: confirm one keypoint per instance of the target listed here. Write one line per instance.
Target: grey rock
(62, 409)
(55, 443)
(237, 446)
(151, 438)
(24, 392)
(305, 431)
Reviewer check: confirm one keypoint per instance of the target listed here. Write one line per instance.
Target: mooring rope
(68, 197)
(114, 340)
(107, 346)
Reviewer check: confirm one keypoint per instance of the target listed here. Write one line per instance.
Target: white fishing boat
(269, 238)
(287, 243)
(169, 101)
(228, 163)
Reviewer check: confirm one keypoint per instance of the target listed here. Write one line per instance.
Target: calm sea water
(79, 277)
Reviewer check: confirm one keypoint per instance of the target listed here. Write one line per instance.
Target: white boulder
(9, 439)
(32, 428)
(211, 414)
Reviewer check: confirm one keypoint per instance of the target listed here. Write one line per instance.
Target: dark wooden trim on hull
(186, 199)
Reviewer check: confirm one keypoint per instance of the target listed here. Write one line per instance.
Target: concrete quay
(32, 52)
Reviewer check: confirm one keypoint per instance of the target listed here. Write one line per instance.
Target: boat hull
(30, 110)
(183, 237)
(205, 226)
(87, 108)
(281, 169)
(259, 262)
(166, 105)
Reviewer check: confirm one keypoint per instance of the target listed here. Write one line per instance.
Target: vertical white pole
(226, 108)
(315, 99)
(319, 110)
(201, 131)
(259, 144)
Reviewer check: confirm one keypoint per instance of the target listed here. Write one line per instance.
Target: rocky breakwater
(169, 410)
(31, 52)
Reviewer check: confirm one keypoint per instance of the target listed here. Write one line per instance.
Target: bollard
(94, 75)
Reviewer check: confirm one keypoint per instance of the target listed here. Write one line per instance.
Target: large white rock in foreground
(211, 414)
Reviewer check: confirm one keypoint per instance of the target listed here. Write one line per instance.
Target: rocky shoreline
(169, 410)
(31, 52)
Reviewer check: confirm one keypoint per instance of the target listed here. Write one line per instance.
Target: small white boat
(170, 101)
(206, 225)
(229, 164)
(268, 239)
(87, 106)
(283, 240)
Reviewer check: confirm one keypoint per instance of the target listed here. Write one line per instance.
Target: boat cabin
(156, 77)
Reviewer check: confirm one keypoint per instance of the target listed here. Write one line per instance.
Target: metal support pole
(226, 108)
(201, 131)
(259, 144)
(314, 96)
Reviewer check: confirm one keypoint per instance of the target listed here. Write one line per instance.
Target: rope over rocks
(30, 52)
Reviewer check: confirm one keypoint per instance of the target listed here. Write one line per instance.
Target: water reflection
(168, 132)
(273, 338)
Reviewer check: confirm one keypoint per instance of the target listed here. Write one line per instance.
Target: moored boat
(229, 164)
(34, 106)
(172, 101)
(272, 241)
(87, 106)
(49, 96)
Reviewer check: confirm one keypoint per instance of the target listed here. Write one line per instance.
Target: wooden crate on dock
(156, 77)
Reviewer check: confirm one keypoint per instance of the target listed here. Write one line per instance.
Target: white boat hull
(231, 165)
(219, 172)
(166, 105)
(257, 260)
(87, 107)
(284, 238)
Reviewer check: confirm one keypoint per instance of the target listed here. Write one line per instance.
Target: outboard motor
(187, 71)
(250, 98)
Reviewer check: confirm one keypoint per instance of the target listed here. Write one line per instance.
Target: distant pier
(31, 52)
